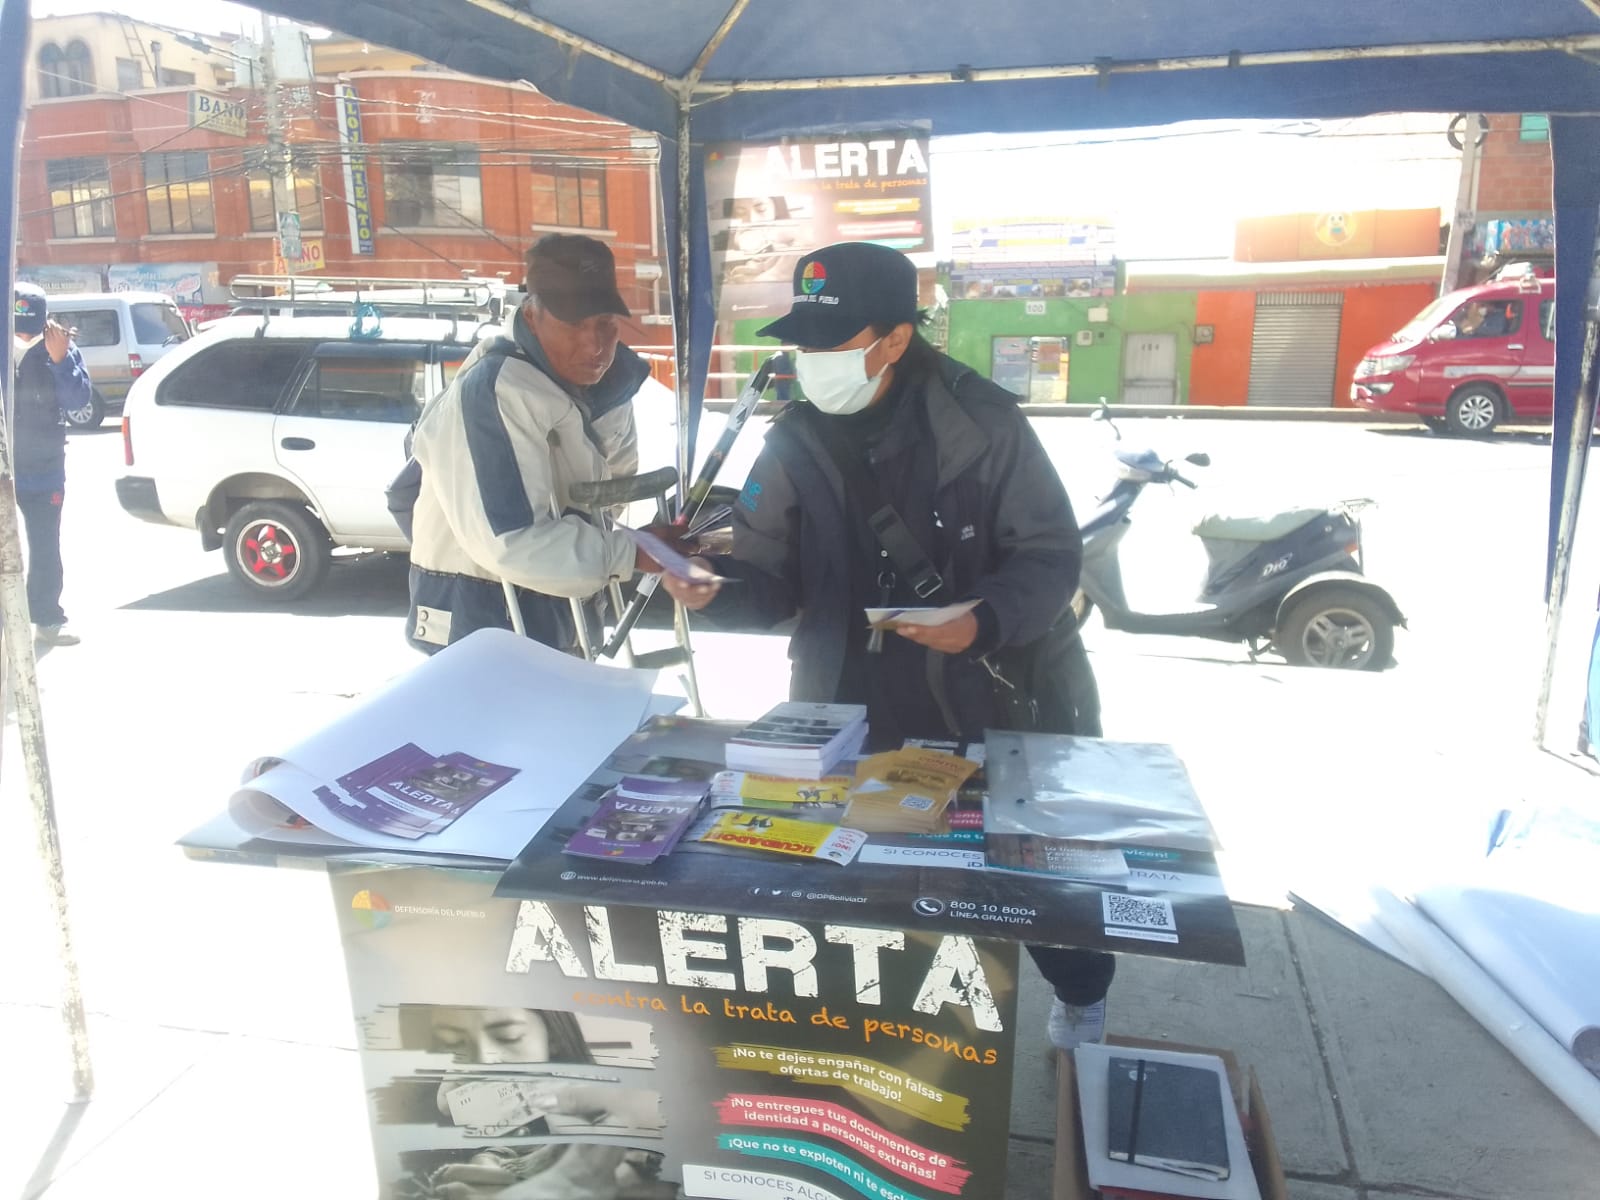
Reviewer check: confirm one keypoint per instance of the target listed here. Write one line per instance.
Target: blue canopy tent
(702, 71)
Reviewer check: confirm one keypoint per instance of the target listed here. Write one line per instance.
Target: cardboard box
(1071, 1181)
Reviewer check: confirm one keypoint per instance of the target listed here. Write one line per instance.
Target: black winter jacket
(1008, 538)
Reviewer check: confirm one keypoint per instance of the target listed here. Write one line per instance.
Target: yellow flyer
(732, 786)
(780, 835)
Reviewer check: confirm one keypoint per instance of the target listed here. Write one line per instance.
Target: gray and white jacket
(499, 450)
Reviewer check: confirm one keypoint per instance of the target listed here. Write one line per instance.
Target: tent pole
(16, 643)
(1583, 415)
(680, 322)
(22, 672)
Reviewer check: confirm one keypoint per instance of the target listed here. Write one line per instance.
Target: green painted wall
(1092, 371)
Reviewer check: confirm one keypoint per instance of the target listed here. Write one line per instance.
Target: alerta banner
(618, 1050)
(772, 202)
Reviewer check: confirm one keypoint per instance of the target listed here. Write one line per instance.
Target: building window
(432, 187)
(130, 75)
(80, 198)
(177, 192)
(66, 72)
(570, 196)
(1534, 127)
(303, 182)
(176, 78)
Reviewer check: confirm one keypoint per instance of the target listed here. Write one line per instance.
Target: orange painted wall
(1385, 233)
(1219, 373)
(1370, 315)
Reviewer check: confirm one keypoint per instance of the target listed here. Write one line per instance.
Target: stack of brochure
(906, 791)
(640, 819)
(799, 740)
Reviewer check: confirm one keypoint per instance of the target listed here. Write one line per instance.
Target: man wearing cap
(50, 380)
(907, 479)
(526, 417)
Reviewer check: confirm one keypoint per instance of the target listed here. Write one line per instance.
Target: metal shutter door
(1295, 349)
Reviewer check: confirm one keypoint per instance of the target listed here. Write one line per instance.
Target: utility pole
(1465, 218)
(278, 156)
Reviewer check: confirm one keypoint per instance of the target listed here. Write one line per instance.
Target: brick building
(168, 188)
(1513, 193)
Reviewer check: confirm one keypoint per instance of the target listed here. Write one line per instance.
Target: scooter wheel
(1344, 627)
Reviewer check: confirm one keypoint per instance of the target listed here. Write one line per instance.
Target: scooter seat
(1255, 529)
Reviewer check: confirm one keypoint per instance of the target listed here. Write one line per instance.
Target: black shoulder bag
(906, 554)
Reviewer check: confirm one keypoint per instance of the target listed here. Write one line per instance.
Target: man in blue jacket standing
(50, 379)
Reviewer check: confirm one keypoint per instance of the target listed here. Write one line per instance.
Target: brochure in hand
(799, 740)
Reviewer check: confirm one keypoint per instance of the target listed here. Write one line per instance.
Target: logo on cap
(21, 308)
(813, 279)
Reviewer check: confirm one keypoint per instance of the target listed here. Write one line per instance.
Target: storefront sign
(696, 1053)
(1033, 240)
(311, 259)
(1010, 280)
(186, 283)
(61, 281)
(218, 114)
(771, 203)
(357, 195)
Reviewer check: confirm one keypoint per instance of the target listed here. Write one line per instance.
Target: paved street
(218, 991)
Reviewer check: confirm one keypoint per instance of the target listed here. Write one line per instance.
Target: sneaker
(1072, 1025)
(55, 635)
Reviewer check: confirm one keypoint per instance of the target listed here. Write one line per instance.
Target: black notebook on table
(1168, 1117)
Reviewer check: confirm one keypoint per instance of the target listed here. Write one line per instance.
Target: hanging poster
(770, 203)
(642, 1053)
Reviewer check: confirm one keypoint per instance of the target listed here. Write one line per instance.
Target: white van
(120, 334)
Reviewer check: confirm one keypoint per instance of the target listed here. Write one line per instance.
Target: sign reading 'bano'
(217, 114)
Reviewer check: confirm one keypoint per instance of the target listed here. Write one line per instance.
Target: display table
(720, 1023)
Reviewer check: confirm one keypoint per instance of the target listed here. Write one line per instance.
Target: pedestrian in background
(50, 380)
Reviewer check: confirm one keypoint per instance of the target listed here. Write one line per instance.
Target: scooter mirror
(1199, 459)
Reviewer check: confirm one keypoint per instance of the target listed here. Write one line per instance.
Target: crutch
(597, 496)
(690, 506)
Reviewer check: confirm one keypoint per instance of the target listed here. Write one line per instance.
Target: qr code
(1134, 910)
(917, 803)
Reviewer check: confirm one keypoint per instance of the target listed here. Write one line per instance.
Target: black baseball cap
(29, 309)
(574, 277)
(841, 289)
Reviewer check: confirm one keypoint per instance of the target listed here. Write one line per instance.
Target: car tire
(278, 550)
(1473, 411)
(91, 414)
(1337, 626)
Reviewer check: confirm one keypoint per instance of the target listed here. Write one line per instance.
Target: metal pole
(286, 213)
(24, 679)
(684, 305)
(17, 643)
(1464, 218)
(1583, 414)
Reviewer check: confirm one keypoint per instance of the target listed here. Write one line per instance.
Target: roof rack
(364, 297)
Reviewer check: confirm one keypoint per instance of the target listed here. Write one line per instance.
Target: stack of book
(639, 820)
(799, 740)
(906, 791)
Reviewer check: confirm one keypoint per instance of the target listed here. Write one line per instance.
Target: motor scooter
(1290, 581)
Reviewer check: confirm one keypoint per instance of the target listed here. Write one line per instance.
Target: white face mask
(836, 381)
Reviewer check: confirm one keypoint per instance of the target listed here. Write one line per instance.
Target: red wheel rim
(269, 553)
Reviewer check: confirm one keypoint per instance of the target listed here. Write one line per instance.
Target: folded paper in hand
(672, 563)
(888, 618)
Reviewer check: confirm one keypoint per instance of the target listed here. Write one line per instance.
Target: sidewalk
(222, 1043)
